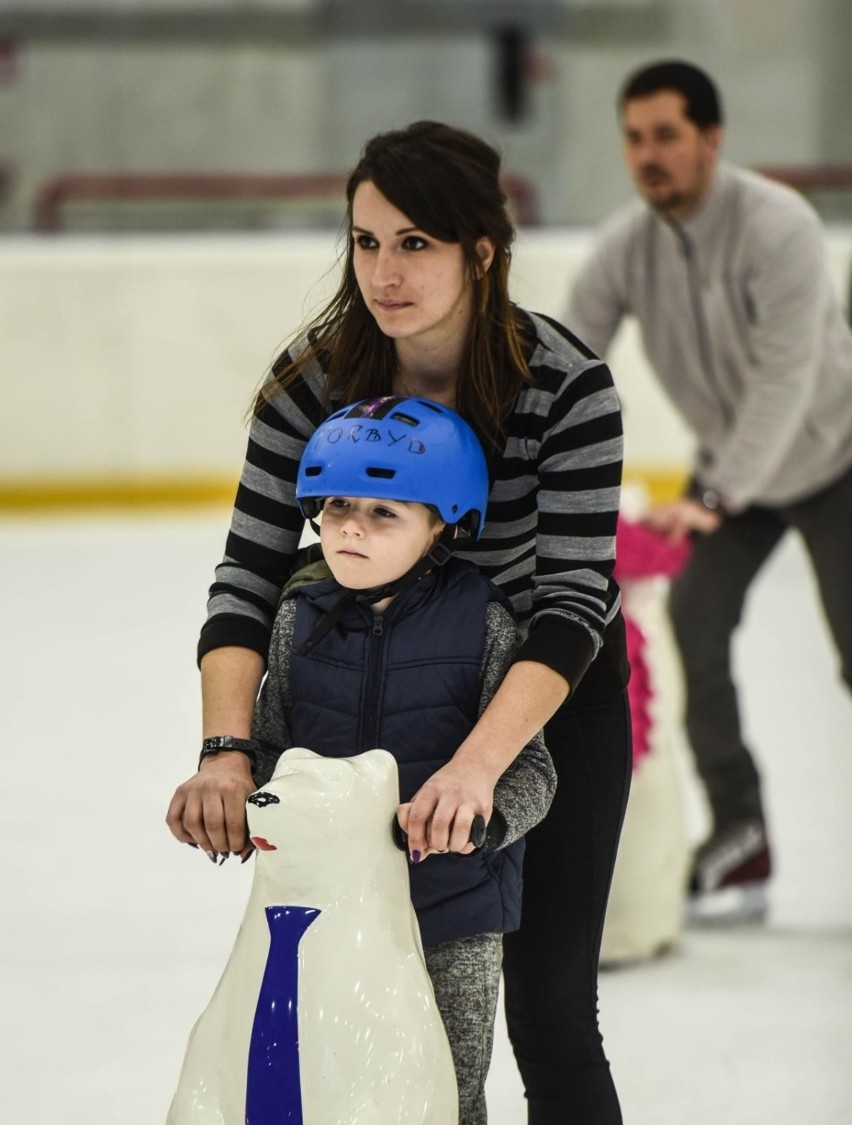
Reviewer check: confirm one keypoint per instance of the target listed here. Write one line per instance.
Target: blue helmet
(397, 449)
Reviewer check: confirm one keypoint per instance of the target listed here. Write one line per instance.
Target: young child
(402, 648)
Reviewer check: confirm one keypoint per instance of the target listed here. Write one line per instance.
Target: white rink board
(138, 356)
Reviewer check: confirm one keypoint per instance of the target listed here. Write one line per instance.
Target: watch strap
(215, 745)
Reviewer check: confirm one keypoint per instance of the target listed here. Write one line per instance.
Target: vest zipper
(372, 690)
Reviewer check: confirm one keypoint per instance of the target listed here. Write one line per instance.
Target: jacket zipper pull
(377, 625)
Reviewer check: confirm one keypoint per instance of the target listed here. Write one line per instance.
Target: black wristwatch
(248, 746)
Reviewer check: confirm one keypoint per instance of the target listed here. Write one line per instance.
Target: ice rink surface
(114, 935)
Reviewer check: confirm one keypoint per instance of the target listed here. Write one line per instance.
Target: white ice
(113, 935)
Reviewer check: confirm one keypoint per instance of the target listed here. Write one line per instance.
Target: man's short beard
(674, 204)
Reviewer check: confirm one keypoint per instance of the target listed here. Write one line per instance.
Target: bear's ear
(294, 754)
(378, 765)
(298, 753)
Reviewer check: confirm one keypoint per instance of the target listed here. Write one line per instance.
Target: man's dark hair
(703, 104)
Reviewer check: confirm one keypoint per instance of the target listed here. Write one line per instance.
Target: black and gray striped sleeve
(549, 535)
(266, 524)
(579, 463)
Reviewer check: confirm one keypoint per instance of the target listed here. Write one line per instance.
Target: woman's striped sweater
(549, 536)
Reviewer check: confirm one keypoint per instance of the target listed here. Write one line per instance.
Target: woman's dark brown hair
(446, 181)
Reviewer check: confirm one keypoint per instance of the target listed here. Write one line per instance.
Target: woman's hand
(209, 810)
(402, 814)
(439, 816)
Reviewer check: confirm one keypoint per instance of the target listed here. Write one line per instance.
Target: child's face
(368, 542)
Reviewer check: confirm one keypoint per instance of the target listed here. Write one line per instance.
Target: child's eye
(335, 504)
(385, 513)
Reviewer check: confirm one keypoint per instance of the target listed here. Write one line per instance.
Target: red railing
(53, 195)
(810, 177)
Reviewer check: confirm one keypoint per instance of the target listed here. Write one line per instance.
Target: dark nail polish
(415, 857)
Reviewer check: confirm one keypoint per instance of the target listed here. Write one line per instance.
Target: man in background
(727, 275)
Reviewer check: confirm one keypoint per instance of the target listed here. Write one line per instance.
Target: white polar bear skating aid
(325, 1013)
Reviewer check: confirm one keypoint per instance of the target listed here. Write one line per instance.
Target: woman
(423, 309)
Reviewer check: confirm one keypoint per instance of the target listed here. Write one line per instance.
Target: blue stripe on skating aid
(273, 1088)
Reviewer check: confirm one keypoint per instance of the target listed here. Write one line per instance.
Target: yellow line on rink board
(661, 482)
(66, 494)
(57, 494)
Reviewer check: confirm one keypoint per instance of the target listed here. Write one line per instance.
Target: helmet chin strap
(439, 555)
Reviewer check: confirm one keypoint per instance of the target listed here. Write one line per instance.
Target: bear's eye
(263, 799)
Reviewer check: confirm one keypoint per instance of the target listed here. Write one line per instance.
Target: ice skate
(730, 877)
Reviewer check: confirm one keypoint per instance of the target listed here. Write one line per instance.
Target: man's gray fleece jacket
(742, 324)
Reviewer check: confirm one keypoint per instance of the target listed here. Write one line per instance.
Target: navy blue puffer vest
(409, 681)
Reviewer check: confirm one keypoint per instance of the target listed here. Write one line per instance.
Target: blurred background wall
(296, 85)
(135, 326)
